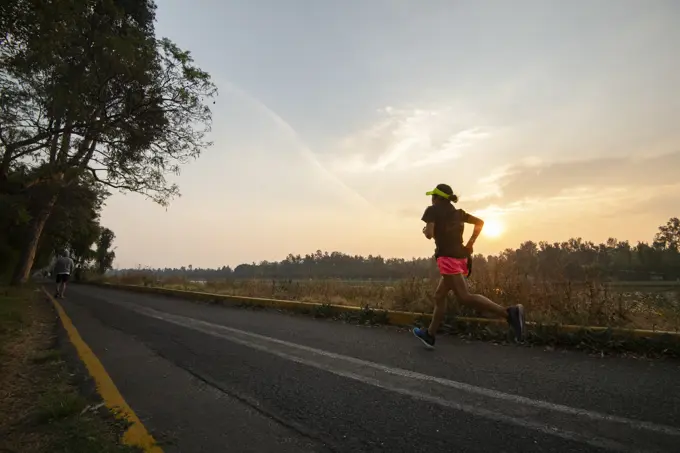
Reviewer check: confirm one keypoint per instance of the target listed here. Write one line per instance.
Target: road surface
(206, 378)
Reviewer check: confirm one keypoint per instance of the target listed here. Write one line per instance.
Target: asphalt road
(212, 379)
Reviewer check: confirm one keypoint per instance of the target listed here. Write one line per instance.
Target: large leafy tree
(74, 224)
(88, 89)
(104, 255)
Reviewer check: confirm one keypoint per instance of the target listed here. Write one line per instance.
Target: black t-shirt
(449, 224)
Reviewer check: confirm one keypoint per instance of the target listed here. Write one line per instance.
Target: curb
(136, 434)
(391, 317)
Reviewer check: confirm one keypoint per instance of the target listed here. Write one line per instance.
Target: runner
(445, 224)
(63, 266)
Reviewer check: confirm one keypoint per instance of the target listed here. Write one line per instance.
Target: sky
(549, 119)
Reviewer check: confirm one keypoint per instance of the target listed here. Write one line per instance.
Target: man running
(63, 267)
(445, 224)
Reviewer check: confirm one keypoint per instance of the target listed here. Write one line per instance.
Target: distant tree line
(574, 259)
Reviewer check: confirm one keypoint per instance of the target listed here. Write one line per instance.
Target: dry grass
(41, 408)
(557, 302)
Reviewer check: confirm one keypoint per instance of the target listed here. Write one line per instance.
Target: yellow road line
(136, 434)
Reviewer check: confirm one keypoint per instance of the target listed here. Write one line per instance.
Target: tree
(89, 89)
(668, 236)
(14, 218)
(74, 224)
(104, 255)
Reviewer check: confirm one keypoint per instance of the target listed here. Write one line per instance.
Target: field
(643, 305)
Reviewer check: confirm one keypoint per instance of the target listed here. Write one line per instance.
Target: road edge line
(136, 434)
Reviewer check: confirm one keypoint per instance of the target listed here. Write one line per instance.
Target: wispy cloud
(582, 191)
(579, 178)
(408, 138)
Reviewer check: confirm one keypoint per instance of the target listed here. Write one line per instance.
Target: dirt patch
(42, 406)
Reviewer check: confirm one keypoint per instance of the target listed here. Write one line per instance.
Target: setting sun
(493, 228)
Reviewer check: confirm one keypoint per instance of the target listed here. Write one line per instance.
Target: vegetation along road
(205, 378)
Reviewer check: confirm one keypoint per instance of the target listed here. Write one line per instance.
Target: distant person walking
(445, 224)
(63, 268)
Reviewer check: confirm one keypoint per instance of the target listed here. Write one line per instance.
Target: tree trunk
(6, 160)
(35, 229)
(54, 145)
(4, 168)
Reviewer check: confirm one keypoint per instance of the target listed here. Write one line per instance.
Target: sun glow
(493, 228)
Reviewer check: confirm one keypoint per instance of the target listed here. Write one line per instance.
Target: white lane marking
(636, 424)
(546, 429)
(209, 328)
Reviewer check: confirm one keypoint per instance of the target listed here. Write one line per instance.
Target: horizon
(632, 244)
(550, 120)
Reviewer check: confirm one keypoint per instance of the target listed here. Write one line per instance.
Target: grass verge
(42, 406)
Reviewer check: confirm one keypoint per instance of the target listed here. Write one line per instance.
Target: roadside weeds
(43, 405)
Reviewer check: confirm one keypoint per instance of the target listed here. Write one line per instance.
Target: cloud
(282, 126)
(580, 179)
(407, 138)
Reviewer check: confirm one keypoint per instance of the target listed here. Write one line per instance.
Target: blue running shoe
(424, 336)
(516, 320)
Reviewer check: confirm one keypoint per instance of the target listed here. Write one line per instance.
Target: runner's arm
(478, 223)
(428, 218)
(428, 230)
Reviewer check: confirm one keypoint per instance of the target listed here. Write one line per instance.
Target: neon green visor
(438, 192)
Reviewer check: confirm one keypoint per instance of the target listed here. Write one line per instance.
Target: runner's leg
(427, 336)
(481, 303)
(439, 305)
(514, 315)
(64, 279)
